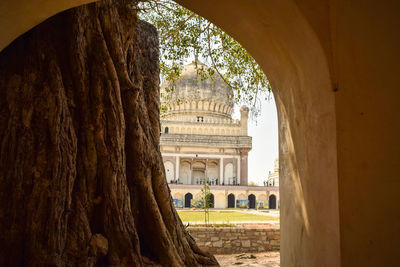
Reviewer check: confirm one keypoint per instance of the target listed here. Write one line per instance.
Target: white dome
(191, 94)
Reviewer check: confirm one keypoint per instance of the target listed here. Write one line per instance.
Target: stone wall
(229, 240)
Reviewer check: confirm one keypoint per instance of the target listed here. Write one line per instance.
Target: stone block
(214, 238)
(246, 243)
(217, 244)
(275, 242)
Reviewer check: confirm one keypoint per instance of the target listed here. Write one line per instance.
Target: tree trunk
(81, 176)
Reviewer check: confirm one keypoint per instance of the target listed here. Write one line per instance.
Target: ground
(263, 259)
(227, 216)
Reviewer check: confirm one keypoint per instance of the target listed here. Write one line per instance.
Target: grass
(225, 216)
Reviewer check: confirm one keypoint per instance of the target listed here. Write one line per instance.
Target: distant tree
(184, 35)
(252, 184)
(206, 197)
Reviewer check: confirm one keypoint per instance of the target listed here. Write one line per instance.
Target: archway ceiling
(273, 31)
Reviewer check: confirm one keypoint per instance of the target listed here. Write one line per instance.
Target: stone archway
(325, 68)
(252, 201)
(212, 201)
(231, 201)
(272, 202)
(188, 200)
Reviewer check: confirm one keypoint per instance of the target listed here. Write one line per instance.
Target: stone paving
(264, 259)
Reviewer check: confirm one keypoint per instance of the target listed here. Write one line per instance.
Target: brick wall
(232, 240)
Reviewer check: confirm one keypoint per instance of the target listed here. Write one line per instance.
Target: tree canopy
(185, 35)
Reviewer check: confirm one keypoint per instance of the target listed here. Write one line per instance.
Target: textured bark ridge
(81, 176)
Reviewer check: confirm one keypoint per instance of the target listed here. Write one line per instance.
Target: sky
(264, 132)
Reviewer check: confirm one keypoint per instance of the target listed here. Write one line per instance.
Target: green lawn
(225, 216)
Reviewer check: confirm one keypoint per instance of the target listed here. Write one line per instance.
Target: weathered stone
(246, 243)
(274, 242)
(218, 244)
(215, 238)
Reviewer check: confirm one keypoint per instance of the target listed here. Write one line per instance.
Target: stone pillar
(243, 167)
(221, 171)
(235, 172)
(205, 171)
(244, 116)
(177, 161)
(191, 173)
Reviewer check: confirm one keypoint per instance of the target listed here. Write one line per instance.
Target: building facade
(201, 143)
(273, 177)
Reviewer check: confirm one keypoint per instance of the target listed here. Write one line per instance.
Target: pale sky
(265, 142)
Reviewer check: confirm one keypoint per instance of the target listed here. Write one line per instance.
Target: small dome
(191, 94)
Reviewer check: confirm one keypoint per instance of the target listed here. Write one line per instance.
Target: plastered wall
(333, 66)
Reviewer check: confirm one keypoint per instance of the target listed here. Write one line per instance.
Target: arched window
(166, 130)
(211, 201)
(188, 200)
(272, 202)
(231, 201)
(252, 201)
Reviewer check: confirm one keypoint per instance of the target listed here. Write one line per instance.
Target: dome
(191, 94)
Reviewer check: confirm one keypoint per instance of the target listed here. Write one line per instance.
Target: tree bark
(81, 176)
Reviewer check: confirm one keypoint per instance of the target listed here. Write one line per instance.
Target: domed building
(201, 143)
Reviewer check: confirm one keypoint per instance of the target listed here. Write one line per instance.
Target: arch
(206, 105)
(231, 201)
(272, 202)
(198, 165)
(252, 201)
(212, 172)
(188, 200)
(217, 107)
(169, 171)
(211, 201)
(212, 106)
(287, 58)
(166, 130)
(193, 105)
(184, 173)
(228, 174)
